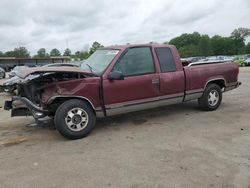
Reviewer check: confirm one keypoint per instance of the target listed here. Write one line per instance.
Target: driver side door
(140, 86)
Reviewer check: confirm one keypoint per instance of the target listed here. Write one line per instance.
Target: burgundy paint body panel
(140, 87)
(86, 87)
(129, 89)
(197, 76)
(172, 83)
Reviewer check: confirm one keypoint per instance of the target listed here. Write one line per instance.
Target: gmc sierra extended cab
(116, 80)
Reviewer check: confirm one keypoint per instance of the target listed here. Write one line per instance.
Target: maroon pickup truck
(116, 80)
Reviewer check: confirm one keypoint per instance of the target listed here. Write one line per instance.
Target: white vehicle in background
(248, 61)
(62, 65)
(16, 69)
(2, 73)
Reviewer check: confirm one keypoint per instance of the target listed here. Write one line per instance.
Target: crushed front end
(30, 92)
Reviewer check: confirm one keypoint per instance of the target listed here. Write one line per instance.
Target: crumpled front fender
(82, 88)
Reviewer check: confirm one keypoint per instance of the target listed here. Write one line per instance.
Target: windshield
(99, 60)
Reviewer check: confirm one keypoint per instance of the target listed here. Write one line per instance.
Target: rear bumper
(232, 86)
(29, 108)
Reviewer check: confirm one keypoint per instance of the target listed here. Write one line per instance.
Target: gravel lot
(174, 146)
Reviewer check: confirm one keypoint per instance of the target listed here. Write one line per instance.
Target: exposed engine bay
(34, 85)
(32, 89)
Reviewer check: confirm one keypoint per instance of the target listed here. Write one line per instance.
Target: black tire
(63, 119)
(205, 101)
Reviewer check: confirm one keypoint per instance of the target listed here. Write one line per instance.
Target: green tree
(223, 45)
(55, 52)
(84, 55)
(217, 45)
(67, 52)
(239, 36)
(192, 44)
(248, 48)
(1, 54)
(81, 55)
(94, 47)
(195, 44)
(41, 53)
(21, 52)
(9, 54)
(204, 46)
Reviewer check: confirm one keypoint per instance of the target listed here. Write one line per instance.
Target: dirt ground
(174, 146)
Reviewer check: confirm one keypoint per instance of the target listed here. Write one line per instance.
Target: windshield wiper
(91, 69)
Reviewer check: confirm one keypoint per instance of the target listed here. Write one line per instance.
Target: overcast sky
(77, 23)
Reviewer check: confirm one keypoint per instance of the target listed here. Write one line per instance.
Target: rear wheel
(74, 119)
(211, 98)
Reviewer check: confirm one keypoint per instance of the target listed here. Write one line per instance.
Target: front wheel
(74, 119)
(211, 98)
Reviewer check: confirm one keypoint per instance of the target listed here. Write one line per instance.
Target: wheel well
(59, 100)
(219, 82)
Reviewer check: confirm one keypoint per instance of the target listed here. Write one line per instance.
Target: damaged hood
(26, 72)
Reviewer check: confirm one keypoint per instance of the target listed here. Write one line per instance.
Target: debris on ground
(13, 141)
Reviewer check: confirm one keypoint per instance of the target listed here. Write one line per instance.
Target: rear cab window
(166, 59)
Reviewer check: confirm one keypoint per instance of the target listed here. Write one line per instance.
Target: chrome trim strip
(99, 114)
(51, 99)
(193, 96)
(194, 91)
(143, 106)
(214, 79)
(208, 62)
(135, 102)
(171, 96)
(98, 109)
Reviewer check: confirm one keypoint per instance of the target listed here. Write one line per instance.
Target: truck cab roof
(122, 47)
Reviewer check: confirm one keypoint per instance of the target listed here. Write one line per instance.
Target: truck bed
(198, 75)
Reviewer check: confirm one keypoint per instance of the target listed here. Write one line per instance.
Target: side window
(166, 59)
(136, 61)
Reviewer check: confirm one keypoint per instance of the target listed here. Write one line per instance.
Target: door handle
(156, 81)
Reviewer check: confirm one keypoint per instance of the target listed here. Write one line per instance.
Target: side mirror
(116, 75)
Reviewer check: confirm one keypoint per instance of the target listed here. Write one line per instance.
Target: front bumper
(7, 88)
(27, 109)
(1, 89)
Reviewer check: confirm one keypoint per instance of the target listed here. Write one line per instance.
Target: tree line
(22, 52)
(196, 44)
(189, 45)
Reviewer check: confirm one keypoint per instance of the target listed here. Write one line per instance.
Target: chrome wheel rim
(213, 98)
(76, 119)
